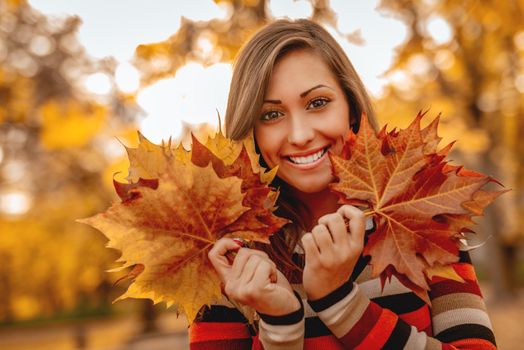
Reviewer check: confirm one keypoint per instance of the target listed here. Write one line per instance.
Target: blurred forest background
(59, 150)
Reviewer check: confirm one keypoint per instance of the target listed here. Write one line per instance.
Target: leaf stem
(198, 238)
(369, 212)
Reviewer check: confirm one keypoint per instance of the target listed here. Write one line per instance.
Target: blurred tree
(55, 142)
(162, 59)
(466, 59)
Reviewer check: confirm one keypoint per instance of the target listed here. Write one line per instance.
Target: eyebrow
(302, 95)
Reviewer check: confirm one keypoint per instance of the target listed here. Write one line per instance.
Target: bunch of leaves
(421, 204)
(176, 205)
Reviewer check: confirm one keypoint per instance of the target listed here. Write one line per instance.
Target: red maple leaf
(420, 203)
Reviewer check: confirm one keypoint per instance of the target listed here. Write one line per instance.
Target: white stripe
(373, 288)
(285, 337)
(343, 315)
(461, 316)
(416, 341)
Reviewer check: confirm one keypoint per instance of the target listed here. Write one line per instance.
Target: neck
(318, 204)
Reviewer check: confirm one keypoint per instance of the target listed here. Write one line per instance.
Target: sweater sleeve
(223, 327)
(458, 317)
(220, 327)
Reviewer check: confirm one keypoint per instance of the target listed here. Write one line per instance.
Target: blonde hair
(251, 74)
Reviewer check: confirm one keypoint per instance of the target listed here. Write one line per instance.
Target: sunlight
(193, 96)
(290, 8)
(127, 77)
(102, 37)
(15, 203)
(98, 83)
(439, 30)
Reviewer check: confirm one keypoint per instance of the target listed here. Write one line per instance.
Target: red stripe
(472, 344)
(429, 330)
(466, 271)
(257, 345)
(206, 331)
(363, 326)
(452, 287)
(324, 342)
(380, 334)
(420, 318)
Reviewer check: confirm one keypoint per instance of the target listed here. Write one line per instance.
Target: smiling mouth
(308, 159)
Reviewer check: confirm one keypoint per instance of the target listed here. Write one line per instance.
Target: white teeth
(308, 159)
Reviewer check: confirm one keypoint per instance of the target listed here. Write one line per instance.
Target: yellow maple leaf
(180, 204)
(444, 271)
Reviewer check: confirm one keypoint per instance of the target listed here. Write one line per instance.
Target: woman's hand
(253, 279)
(332, 251)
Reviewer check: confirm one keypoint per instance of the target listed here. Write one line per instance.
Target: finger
(241, 258)
(310, 248)
(337, 227)
(217, 254)
(265, 275)
(248, 270)
(322, 238)
(357, 222)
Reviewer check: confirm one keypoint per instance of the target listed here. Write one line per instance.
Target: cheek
(338, 125)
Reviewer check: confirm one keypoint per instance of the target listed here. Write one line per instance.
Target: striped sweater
(360, 315)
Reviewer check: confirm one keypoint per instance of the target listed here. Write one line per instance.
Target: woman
(293, 85)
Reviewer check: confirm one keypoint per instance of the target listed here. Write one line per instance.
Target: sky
(116, 27)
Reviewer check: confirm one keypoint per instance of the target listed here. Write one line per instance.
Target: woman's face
(305, 114)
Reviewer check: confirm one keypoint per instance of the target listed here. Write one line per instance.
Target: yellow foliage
(12, 5)
(18, 107)
(47, 259)
(70, 124)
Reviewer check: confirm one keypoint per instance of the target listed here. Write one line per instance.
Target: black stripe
(220, 313)
(464, 257)
(400, 303)
(399, 337)
(360, 266)
(291, 318)
(332, 298)
(465, 331)
(315, 328)
(229, 344)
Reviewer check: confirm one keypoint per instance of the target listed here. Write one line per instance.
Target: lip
(306, 153)
(309, 165)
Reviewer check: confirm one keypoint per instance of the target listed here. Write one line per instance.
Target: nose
(301, 132)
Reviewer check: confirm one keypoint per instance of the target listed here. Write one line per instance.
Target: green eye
(270, 115)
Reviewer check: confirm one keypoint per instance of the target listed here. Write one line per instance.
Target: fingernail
(241, 242)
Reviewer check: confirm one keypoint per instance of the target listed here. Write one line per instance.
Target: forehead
(300, 68)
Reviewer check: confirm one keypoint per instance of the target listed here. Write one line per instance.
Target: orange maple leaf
(180, 203)
(419, 202)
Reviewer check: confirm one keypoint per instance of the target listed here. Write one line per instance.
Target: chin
(311, 187)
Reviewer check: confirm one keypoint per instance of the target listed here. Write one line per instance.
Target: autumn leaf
(180, 204)
(149, 160)
(421, 204)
